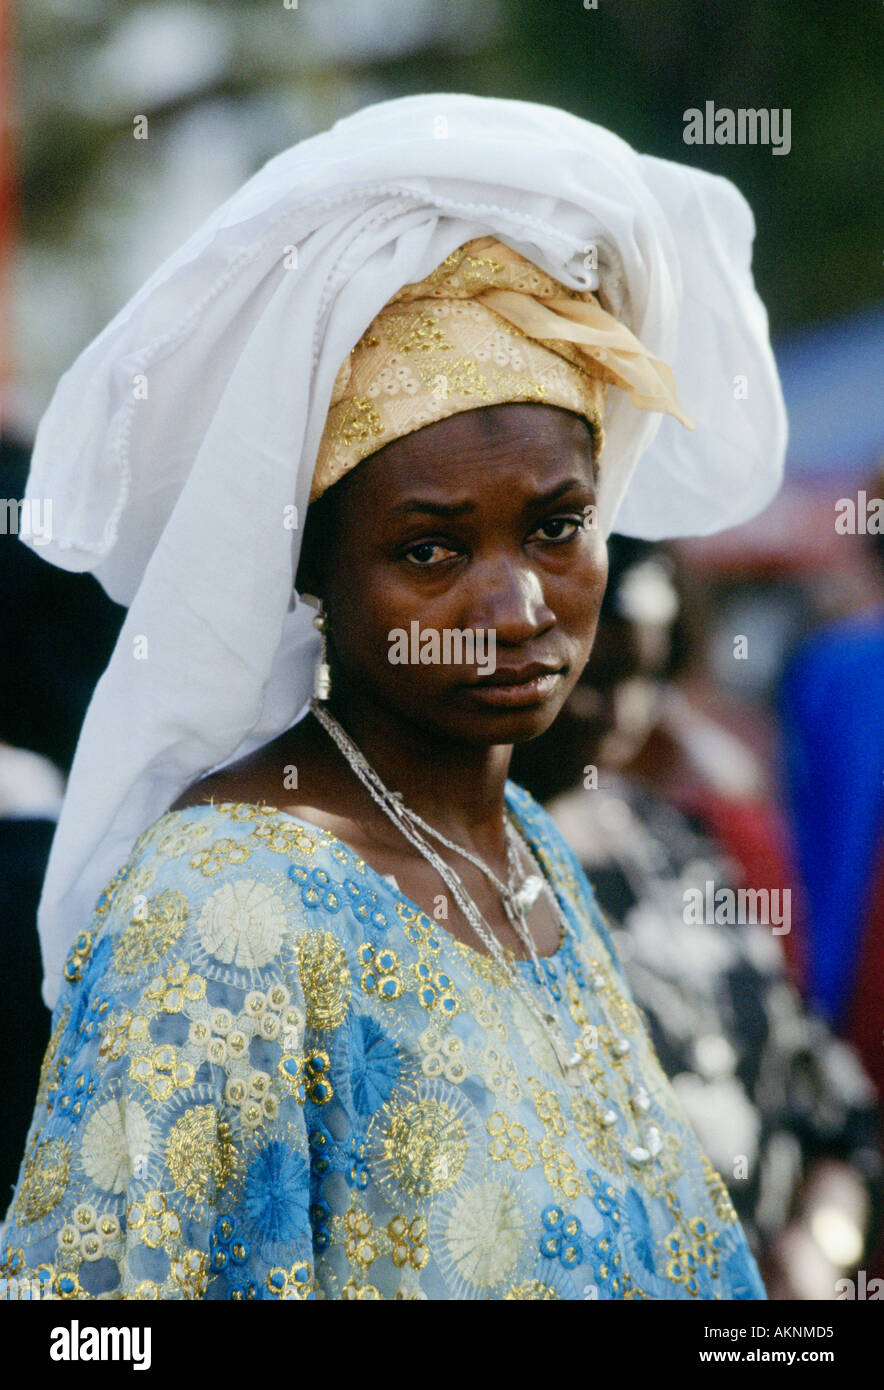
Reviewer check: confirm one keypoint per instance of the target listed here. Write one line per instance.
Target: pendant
(569, 1061)
(572, 1073)
(526, 896)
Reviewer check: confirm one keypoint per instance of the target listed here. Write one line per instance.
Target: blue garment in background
(832, 704)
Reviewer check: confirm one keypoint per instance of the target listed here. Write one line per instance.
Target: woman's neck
(457, 787)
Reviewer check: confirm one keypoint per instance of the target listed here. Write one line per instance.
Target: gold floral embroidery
(325, 980)
(724, 1207)
(358, 421)
(174, 990)
(200, 1153)
(559, 1169)
(226, 851)
(155, 1222)
(508, 1140)
(73, 966)
(352, 1290)
(151, 934)
(191, 1273)
(600, 1140)
(425, 1146)
(46, 1170)
(416, 333)
(160, 1071)
(408, 1242)
(46, 1067)
(380, 973)
(360, 1247)
(532, 1290)
(295, 1283)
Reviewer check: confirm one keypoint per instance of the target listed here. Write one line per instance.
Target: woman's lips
(518, 695)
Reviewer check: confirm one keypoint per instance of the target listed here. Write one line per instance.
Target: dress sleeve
(168, 1155)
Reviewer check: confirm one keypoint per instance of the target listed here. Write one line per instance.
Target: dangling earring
(322, 683)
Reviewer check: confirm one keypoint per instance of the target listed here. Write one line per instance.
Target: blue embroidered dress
(272, 1076)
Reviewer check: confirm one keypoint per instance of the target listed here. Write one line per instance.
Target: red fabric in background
(865, 1019)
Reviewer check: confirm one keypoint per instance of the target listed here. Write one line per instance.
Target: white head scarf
(177, 443)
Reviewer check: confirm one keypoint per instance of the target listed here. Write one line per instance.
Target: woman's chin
(501, 720)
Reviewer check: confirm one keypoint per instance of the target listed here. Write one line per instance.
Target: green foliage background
(634, 65)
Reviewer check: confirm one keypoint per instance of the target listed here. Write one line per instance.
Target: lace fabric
(272, 1076)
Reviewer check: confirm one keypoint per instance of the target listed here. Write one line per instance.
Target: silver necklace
(513, 898)
(569, 1059)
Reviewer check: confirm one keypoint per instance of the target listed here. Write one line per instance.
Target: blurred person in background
(832, 706)
(783, 1107)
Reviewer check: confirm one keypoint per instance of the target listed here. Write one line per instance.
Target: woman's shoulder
(231, 884)
(204, 839)
(193, 823)
(238, 783)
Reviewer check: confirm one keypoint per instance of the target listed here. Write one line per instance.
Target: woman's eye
(560, 528)
(427, 553)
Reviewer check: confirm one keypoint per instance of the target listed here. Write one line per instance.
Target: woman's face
(473, 525)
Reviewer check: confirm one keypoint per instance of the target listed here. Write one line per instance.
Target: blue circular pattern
(275, 1195)
(375, 1065)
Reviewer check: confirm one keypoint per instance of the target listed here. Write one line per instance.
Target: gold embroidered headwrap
(484, 328)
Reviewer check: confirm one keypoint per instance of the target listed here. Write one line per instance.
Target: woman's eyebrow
(554, 493)
(448, 509)
(417, 504)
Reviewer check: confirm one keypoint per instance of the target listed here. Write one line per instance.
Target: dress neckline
(331, 840)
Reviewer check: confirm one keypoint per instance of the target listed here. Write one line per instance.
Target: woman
(347, 1023)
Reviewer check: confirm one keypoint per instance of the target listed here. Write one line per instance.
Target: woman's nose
(512, 604)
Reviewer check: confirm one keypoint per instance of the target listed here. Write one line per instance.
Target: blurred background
(735, 704)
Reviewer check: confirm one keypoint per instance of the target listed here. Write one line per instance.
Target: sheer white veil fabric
(175, 446)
